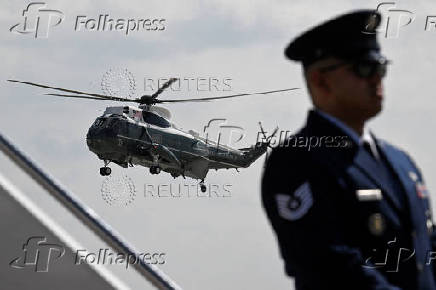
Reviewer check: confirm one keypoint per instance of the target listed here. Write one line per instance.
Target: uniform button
(419, 267)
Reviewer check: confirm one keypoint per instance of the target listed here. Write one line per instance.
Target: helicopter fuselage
(133, 136)
(144, 136)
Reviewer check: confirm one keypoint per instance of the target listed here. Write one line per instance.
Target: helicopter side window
(199, 146)
(155, 120)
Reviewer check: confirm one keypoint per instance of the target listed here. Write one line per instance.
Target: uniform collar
(341, 125)
(366, 136)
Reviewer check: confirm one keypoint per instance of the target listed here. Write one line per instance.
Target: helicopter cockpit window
(111, 122)
(99, 122)
(155, 119)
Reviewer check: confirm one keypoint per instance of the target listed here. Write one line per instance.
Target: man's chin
(373, 112)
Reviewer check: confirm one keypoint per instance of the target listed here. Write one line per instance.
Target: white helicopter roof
(131, 110)
(161, 111)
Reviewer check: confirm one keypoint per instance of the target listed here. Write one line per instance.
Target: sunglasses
(362, 68)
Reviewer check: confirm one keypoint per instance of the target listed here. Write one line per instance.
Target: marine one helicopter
(144, 135)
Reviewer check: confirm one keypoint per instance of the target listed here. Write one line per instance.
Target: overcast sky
(211, 242)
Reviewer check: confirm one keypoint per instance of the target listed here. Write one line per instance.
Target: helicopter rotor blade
(163, 87)
(150, 100)
(97, 96)
(223, 97)
(91, 98)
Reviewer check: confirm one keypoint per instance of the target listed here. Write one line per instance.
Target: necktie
(368, 148)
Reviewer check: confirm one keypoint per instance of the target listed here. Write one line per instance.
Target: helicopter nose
(101, 133)
(99, 137)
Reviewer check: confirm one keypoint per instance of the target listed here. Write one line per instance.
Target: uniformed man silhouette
(352, 212)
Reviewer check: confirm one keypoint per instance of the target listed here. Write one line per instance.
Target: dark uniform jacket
(345, 220)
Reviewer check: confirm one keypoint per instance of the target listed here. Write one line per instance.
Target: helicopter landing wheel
(105, 171)
(155, 170)
(203, 187)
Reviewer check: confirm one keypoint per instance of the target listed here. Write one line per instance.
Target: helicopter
(144, 135)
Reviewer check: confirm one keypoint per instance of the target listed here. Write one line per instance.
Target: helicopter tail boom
(253, 153)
